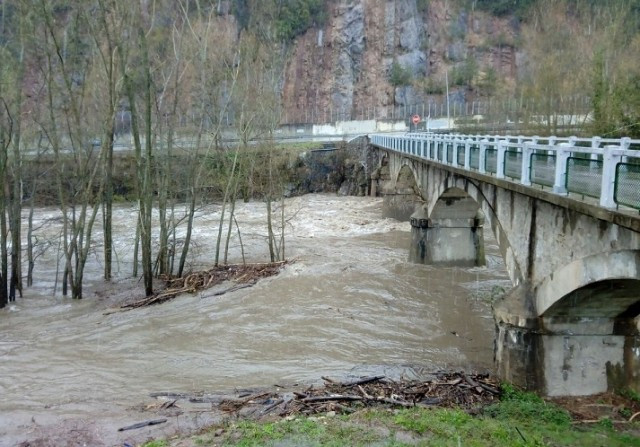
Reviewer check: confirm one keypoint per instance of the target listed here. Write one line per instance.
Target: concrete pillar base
(456, 241)
(564, 356)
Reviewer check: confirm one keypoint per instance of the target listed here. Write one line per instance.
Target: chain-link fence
(584, 176)
(491, 161)
(543, 168)
(565, 111)
(460, 154)
(627, 185)
(513, 164)
(474, 157)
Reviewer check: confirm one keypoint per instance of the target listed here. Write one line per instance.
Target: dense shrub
(399, 76)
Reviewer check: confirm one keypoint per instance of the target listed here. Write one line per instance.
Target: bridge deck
(598, 177)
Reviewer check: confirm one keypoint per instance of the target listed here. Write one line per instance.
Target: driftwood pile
(445, 389)
(243, 275)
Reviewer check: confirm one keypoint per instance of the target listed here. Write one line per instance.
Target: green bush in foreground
(525, 406)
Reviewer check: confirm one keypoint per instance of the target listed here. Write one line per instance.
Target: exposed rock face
(349, 36)
(342, 71)
(347, 170)
(410, 35)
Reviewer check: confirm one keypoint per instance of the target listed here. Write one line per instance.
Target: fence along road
(605, 169)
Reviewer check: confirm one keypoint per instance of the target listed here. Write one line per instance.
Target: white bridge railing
(605, 169)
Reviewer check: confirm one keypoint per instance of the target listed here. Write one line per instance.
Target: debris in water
(444, 389)
(244, 275)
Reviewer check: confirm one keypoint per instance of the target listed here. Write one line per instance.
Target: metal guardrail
(607, 169)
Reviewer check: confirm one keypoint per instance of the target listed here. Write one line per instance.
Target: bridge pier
(565, 356)
(453, 235)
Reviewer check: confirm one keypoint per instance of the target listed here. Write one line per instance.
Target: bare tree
(6, 130)
(66, 68)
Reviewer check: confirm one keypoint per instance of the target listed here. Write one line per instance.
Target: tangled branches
(243, 275)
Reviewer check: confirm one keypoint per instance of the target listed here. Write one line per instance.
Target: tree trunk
(272, 254)
(108, 202)
(136, 247)
(15, 207)
(6, 130)
(231, 219)
(224, 206)
(187, 238)
(146, 199)
(30, 245)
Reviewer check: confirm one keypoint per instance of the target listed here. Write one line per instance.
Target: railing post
(525, 176)
(625, 143)
(502, 149)
(611, 157)
(467, 154)
(595, 144)
(562, 155)
(454, 155)
(482, 156)
(422, 148)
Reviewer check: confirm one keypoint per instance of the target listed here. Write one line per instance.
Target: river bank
(519, 419)
(449, 408)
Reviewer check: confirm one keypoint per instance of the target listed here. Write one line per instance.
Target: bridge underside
(611, 298)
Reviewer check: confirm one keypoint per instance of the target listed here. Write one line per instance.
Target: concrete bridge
(565, 216)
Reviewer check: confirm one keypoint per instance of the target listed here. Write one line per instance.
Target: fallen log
(234, 288)
(143, 424)
(330, 398)
(363, 381)
(170, 395)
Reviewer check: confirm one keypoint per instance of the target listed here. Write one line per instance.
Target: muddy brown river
(349, 305)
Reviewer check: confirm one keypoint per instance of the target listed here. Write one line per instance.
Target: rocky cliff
(343, 70)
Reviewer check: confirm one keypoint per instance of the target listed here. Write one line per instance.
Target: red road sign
(415, 119)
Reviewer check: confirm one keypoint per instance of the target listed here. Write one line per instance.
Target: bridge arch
(406, 180)
(601, 285)
(447, 184)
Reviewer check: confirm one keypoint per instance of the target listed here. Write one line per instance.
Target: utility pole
(446, 80)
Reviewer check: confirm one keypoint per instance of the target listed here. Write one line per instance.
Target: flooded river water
(349, 304)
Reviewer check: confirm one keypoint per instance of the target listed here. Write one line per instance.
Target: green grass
(158, 443)
(308, 432)
(520, 419)
(630, 394)
(533, 424)
(525, 406)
